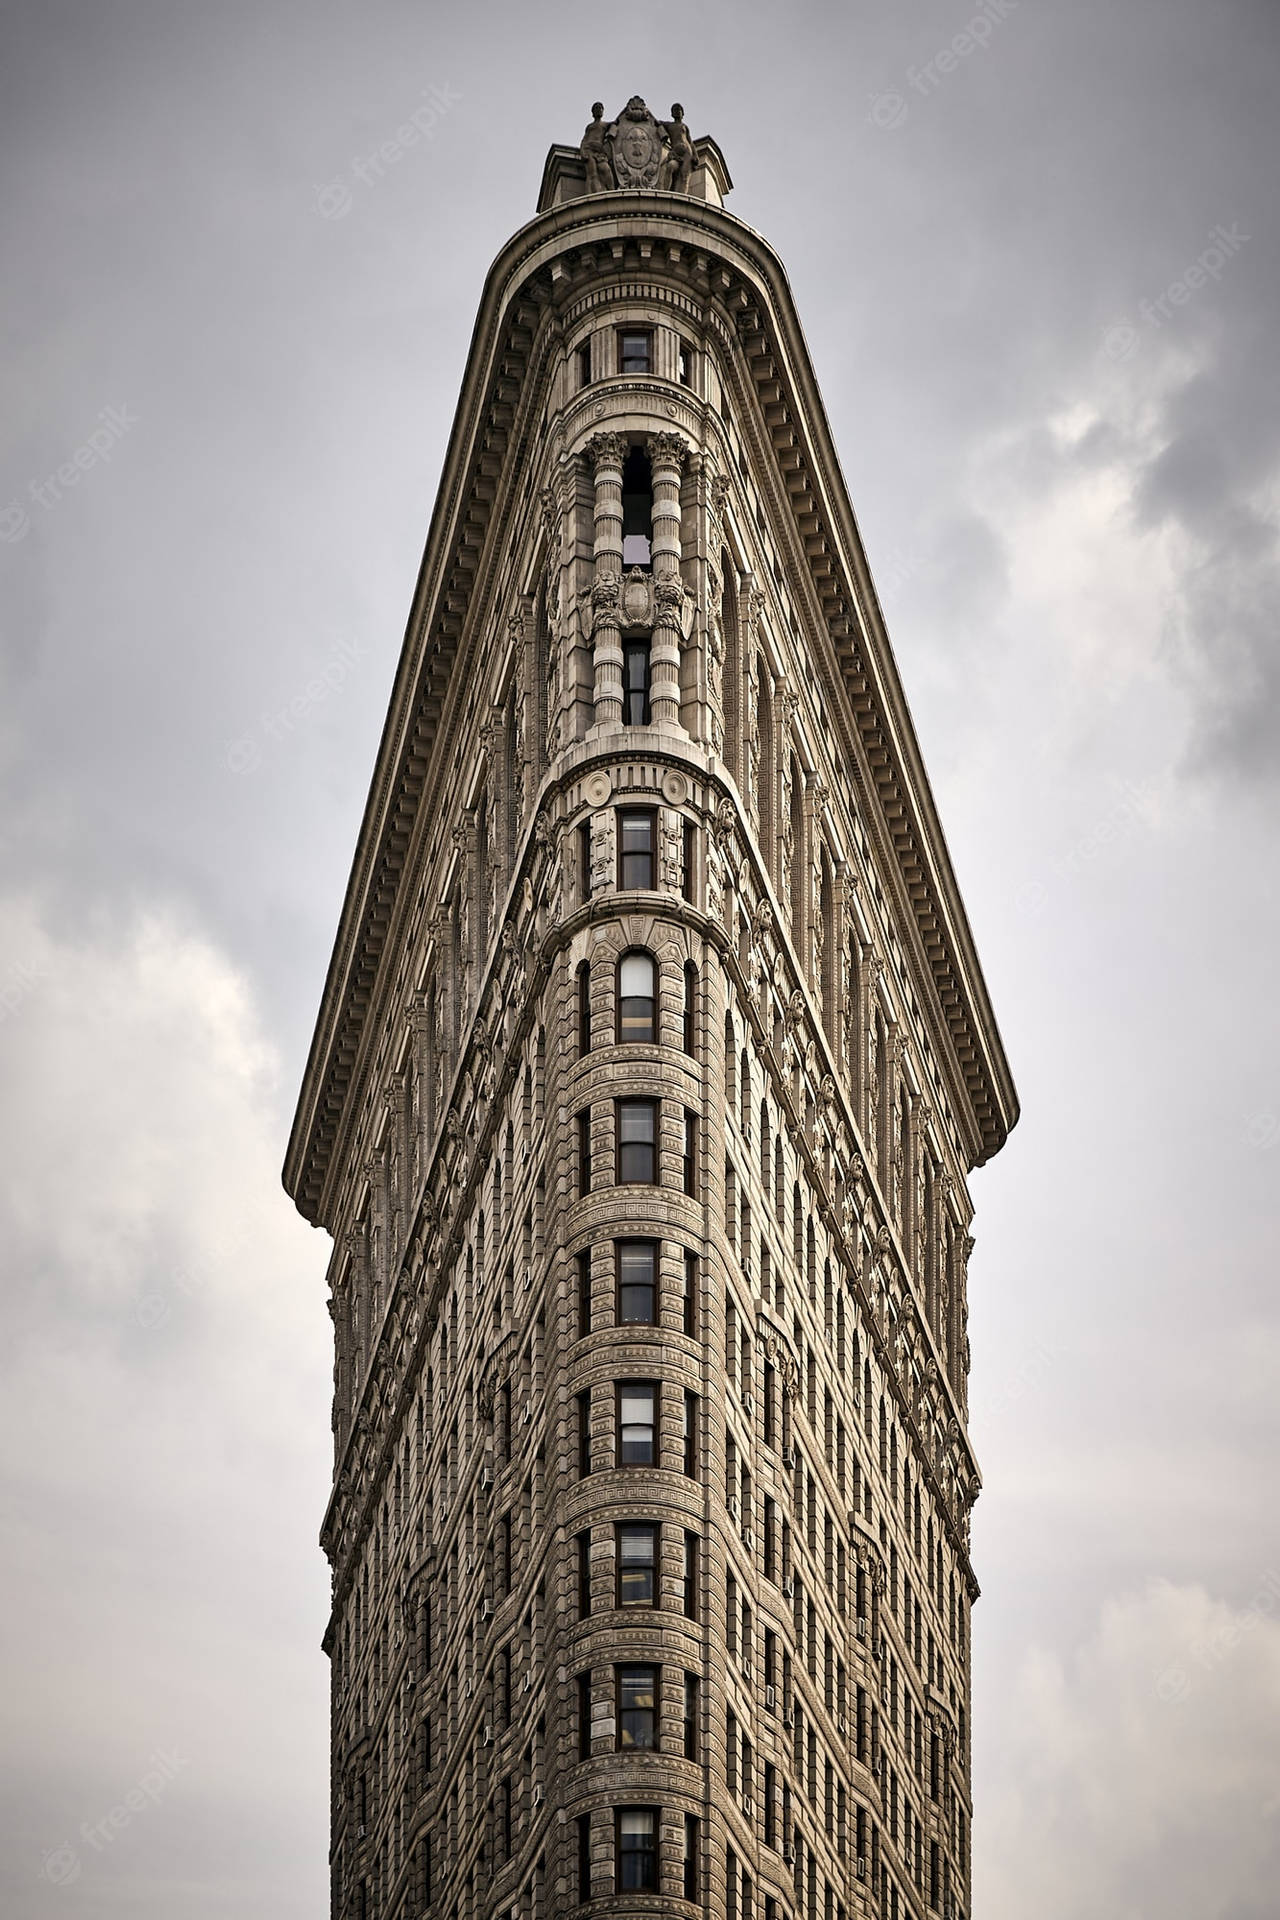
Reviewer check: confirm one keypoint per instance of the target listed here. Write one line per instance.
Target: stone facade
(652, 1061)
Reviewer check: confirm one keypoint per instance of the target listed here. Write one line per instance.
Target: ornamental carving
(637, 145)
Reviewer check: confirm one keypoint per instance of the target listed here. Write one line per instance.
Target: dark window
(689, 1161)
(637, 996)
(637, 1423)
(637, 510)
(506, 1818)
(584, 1856)
(635, 850)
(690, 1005)
(637, 1283)
(637, 1543)
(637, 1706)
(691, 1851)
(691, 1434)
(584, 1716)
(584, 859)
(637, 1141)
(584, 1575)
(583, 1260)
(691, 1716)
(688, 843)
(635, 352)
(584, 1007)
(637, 1849)
(584, 364)
(684, 364)
(584, 1151)
(503, 1568)
(584, 1434)
(637, 682)
(691, 1295)
(690, 1576)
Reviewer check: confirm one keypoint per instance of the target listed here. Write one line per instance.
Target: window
(637, 681)
(637, 997)
(691, 1434)
(637, 1141)
(584, 364)
(637, 1707)
(691, 1716)
(637, 510)
(691, 1851)
(637, 1283)
(688, 844)
(584, 1151)
(584, 1007)
(684, 364)
(689, 1033)
(583, 1262)
(584, 1434)
(635, 849)
(637, 1850)
(689, 1159)
(584, 859)
(635, 352)
(637, 1543)
(502, 1570)
(690, 1302)
(584, 1574)
(690, 1576)
(584, 1856)
(637, 1423)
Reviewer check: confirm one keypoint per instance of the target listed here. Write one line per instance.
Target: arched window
(637, 996)
(690, 1005)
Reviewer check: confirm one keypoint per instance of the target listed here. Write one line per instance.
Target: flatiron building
(652, 1061)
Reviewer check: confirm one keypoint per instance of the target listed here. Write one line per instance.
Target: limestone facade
(652, 1062)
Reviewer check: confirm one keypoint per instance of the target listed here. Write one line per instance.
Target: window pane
(637, 1849)
(636, 1565)
(637, 1707)
(635, 657)
(636, 1407)
(636, 850)
(634, 352)
(637, 1127)
(637, 1282)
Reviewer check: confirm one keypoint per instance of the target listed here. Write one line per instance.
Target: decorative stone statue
(595, 151)
(677, 161)
(637, 145)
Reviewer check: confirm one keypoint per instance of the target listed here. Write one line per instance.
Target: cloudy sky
(1039, 280)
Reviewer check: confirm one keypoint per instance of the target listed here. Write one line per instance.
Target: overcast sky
(1064, 451)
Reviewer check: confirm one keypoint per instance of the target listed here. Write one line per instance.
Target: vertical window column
(606, 453)
(667, 453)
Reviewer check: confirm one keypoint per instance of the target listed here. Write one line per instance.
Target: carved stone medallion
(637, 146)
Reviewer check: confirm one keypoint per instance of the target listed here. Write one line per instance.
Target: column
(606, 453)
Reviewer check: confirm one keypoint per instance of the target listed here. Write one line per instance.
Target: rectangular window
(584, 1856)
(637, 1158)
(688, 843)
(584, 1008)
(691, 1852)
(636, 682)
(584, 1152)
(637, 1706)
(584, 364)
(690, 1302)
(690, 1576)
(584, 859)
(637, 1437)
(637, 1850)
(584, 1575)
(637, 1549)
(583, 1263)
(584, 1433)
(684, 364)
(637, 1282)
(636, 836)
(691, 1716)
(689, 1159)
(689, 1024)
(635, 351)
(691, 1434)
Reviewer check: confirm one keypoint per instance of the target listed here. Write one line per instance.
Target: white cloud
(1140, 1777)
(165, 1412)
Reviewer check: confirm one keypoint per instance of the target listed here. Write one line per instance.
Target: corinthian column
(667, 453)
(606, 453)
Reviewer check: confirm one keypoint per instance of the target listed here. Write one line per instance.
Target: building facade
(653, 1058)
